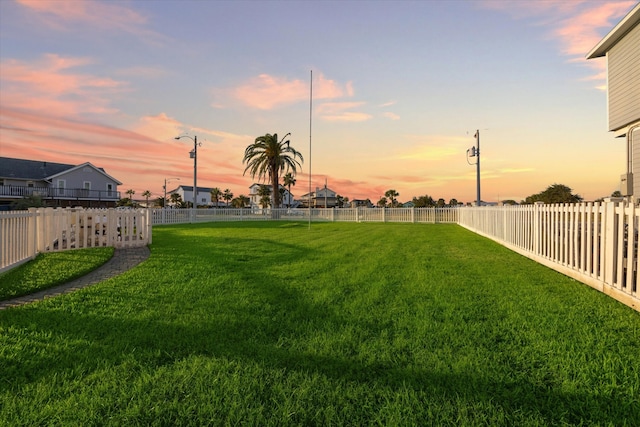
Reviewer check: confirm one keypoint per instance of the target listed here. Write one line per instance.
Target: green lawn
(51, 269)
(270, 323)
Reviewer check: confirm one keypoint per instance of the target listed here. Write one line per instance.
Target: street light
(194, 155)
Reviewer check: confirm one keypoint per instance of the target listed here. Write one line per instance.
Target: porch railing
(13, 191)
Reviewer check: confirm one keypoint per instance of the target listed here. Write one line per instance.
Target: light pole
(164, 201)
(475, 152)
(194, 155)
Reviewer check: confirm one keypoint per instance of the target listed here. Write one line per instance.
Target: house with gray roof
(57, 184)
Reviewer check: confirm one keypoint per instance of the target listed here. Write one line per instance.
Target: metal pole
(195, 172)
(478, 167)
(310, 115)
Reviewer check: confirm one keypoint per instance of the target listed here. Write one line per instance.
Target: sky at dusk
(399, 89)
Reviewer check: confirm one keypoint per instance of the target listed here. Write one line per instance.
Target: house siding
(635, 162)
(623, 61)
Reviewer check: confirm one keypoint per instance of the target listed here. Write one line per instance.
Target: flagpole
(310, 115)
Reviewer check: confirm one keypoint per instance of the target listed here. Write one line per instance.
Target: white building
(203, 195)
(286, 201)
(621, 47)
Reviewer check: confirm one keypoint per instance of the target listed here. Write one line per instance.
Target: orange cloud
(337, 112)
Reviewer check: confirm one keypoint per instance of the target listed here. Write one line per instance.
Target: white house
(254, 198)
(203, 195)
(621, 47)
(58, 184)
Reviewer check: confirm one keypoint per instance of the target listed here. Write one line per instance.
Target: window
(30, 184)
(109, 190)
(86, 185)
(61, 186)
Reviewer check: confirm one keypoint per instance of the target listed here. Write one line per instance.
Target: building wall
(635, 163)
(76, 179)
(623, 61)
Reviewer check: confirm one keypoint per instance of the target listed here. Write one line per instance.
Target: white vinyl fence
(24, 234)
(410, 215)
(595, 243)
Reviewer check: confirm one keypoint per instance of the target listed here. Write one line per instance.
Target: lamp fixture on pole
(194, 155)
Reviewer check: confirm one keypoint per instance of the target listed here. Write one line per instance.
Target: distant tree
(146, 194)
(288, 181)
(240, 202)
(391, 196)
(453, 203)
(176, 199)
(160, 202)
(341, 201)
(267, 157)
(556, 193)
(227, 196)
(265, 196)
(423, 202)
(215, 195)
(382, 203)
(616, 193)
(509, 202)
(440, 203)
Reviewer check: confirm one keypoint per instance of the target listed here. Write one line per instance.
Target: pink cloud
(576, 26)
(337, 112)
(266, 92)
(50, 85)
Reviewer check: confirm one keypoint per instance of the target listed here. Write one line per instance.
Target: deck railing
(13, 191)
(24, 234)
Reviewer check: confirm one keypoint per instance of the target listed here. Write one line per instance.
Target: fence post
(609, 238)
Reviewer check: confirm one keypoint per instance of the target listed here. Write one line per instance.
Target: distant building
(321, 198)
(286, 198)
(622, 50)
(57, 184)
(203, 196)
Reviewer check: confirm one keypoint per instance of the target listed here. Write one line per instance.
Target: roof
(619, 31)
(30, 169)
(39, 170)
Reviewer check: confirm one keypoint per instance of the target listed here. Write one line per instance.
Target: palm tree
(267, 157)
(391, 195)
(215, 194)
(176, 199)
(130, 192)
(265, 195)
(146, 194)
(288, 181)
(240, 202)
(227, 195)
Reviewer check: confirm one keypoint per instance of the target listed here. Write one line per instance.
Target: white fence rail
(595, 243)
(410, 215)
(23, 234)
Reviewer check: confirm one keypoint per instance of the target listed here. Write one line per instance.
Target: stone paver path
(122, 260)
